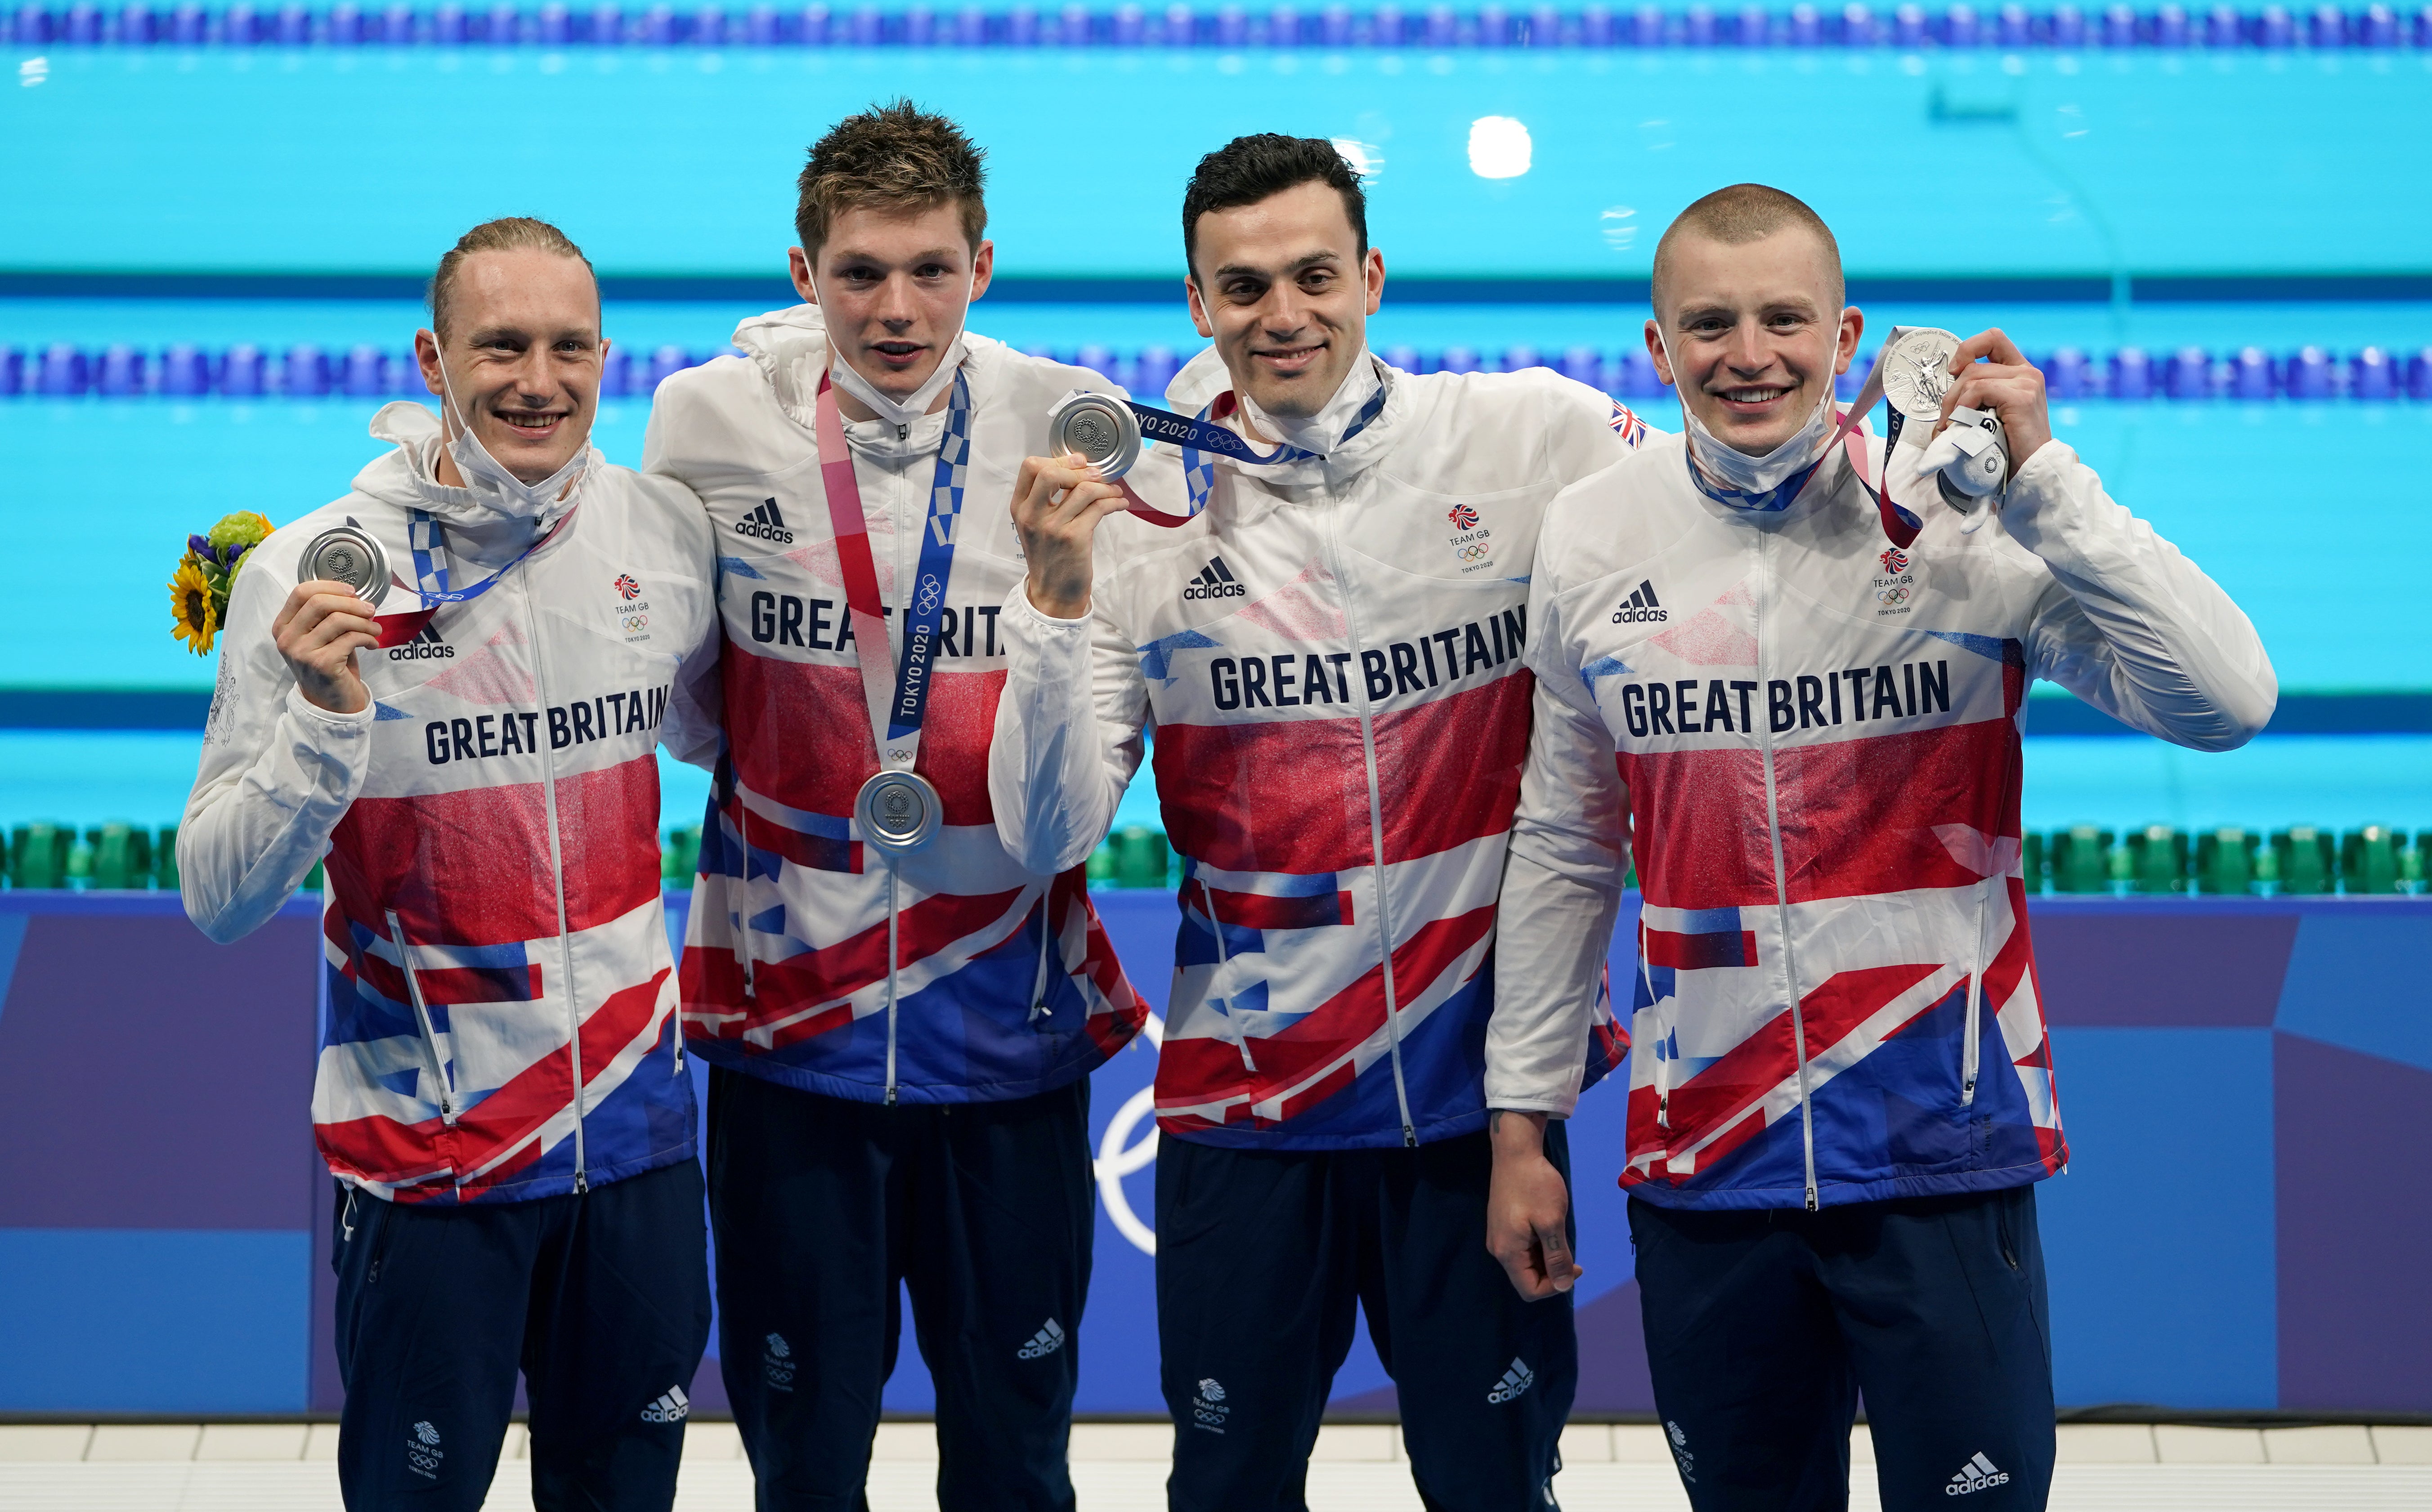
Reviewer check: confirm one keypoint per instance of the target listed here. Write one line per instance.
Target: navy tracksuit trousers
(1262, 1257)
(827, 1210)
(601, 1300)
(1764, 1327)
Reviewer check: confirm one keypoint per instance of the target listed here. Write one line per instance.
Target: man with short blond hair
(900, 1036)
(1842, 1091)
(467, 741)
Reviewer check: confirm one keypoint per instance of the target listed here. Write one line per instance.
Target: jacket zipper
(441, 1076)
(1970, 1050)
(1782, 873)
(1039, 981)
(894, 879)
(1376, 827)
(557, 870)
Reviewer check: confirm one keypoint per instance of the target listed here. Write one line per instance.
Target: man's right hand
(1527, 1208)
(318, 631)
(1057, 502)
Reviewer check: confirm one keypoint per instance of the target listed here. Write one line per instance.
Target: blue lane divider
(310, 372)
(554, 24)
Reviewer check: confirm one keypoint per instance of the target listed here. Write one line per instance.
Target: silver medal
(898, 812)
(1101, 427)
(1917, 375)
(351, 555)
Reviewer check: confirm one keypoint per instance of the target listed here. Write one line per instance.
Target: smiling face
(1283, 289)
(1753, 333)
(895, 289)
(523, 352)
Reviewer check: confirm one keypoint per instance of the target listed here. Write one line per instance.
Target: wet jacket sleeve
(1561, 885)
(2129, 624)
(277, 774)
(1068, 732)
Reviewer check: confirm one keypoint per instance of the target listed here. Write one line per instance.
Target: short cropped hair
(1742, 213)
(1249, 169)
(896, 159)
(512, 233)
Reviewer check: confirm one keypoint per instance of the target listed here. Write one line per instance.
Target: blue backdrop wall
(2246, 1086)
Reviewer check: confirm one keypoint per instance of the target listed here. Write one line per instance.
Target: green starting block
(682, 858)
(2081, 859)
(2158, 860)
(2225, 862)
(1140, 857)
(122, 857)
(2306, 861)
(38, 854)
(2368, 859)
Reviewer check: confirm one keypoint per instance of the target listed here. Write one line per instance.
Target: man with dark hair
(467, 737)
(1812, 751)
(900, 1036)
(1327, 639)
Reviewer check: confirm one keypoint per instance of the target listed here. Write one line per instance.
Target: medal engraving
(1916, 372)
(1101, 429)
(351, 555)
(899, 813)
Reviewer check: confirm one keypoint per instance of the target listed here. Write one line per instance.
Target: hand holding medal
(342, 577)
(1060, 499)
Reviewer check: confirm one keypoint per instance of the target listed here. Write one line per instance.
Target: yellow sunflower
(193, 607)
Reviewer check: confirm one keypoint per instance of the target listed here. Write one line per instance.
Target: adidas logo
(1640, 608)
(1043, 1343)
(1515, 1384)
(766, 524)
(1215, 580)
(672, 1406)
(426, 647)
(1978, 1474)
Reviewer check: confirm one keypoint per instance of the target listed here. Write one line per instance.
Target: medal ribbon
(1900, 526)
(896, 710)
(429, 540)
(1200, 437)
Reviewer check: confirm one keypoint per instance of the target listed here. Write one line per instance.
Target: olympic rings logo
(1120, 1155)
(635, 622)
(1891, 596)
(1472, 553)
(932, 590)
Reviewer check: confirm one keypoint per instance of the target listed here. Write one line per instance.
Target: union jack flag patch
(1625, 424)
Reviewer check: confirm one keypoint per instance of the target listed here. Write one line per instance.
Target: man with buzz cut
(900, 1017)
(1843, 1090)
(1323, 613)
(463, 729)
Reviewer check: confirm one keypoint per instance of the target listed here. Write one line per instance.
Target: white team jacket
(1330, 657)
(1815, 734)
(501, 994)
(1007, 985)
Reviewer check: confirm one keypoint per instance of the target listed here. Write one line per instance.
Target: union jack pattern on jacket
(1007, 984)
(1817, 735)
(1331, 657)
(501, 995)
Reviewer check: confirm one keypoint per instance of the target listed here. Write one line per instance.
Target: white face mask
(487, 478)
(1323, 432)
(1735, 469)
(900, 413)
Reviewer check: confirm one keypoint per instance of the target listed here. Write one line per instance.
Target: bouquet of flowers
(198, 590)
